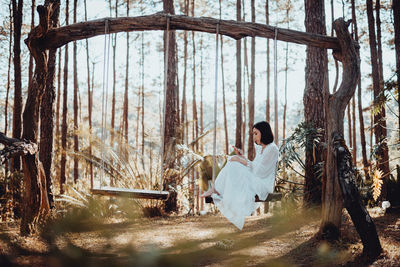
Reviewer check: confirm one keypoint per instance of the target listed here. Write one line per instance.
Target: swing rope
(215, 104)
(104, 93)
(162, 152)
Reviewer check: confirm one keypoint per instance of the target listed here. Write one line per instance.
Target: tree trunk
(30, 66)
(47, 117)
(316, 83)
(184, 107)
(238, 136)
(64, 126)
(142, 94)
(353, 118)
(250, 147)
(349, 128)
(379, 118)
(362, 221)
(76, 144)
(396, 18)
(267, 112)
(223, 97)
(8, 70)
(16, 130)
(57, 143)
(114, 47)
(35, 195)
(335, 110)
(89, 96)
(171, 115)
(359, 98)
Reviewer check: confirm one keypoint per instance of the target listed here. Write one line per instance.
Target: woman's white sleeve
(267, 164)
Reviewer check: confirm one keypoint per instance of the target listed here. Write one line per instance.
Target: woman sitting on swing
(241, 179)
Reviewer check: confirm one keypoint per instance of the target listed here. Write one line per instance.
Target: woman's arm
(240, 159)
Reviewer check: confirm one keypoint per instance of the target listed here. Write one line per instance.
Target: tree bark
(47, 120)
(267, 107)
(57, 143)
(64, 126)
(362, 221)
(16, 130)
(234, 29)
(396, 18)
(335, 109)
(250, 147)
(35, 195)
(184, 107)
(75, 65)
(379, 118)
(238, 136)
(359, 100)
(8, 71)
(313, 100)
(89, 96)
(171, 115)
(353, 118)
(114, 47)
(30, 66)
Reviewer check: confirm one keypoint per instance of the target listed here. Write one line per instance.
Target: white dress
(238, 184)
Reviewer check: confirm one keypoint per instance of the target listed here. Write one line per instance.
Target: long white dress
(238, 184)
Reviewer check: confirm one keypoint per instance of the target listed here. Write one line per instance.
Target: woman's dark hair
(266, 133)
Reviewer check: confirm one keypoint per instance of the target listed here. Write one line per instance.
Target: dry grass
(266, 240)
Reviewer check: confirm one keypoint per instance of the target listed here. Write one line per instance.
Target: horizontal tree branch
(58, 37)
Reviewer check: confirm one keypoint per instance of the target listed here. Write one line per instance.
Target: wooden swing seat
(131, 193)
(270, 198)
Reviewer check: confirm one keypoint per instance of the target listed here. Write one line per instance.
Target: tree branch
(58, 37)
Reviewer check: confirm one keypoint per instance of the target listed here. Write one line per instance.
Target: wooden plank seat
(131, 193)
(270, 198)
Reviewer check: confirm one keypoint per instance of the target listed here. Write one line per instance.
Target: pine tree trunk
(16, 130)
(316, 83)
(8, 72)
(223, 97)
(114, 46)
(332, 200)
(396, 18)
(30, 66)
(76, 144)
(184, 107)
(89, 96)
(267, 116)
(250, 147)
(238, 136)
(350, 138)
(57, 139)
(380, 118)
(64, 125)
(142, 95)
(171, 115)
(359, 101)
(35, 195)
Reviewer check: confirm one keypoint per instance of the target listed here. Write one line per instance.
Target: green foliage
(304, 138)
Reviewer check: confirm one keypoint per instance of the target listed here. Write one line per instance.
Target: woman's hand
(238, 151)
(239, 159)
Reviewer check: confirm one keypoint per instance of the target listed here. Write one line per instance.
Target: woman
(241, 179)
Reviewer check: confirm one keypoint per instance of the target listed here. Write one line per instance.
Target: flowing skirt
(236, 193)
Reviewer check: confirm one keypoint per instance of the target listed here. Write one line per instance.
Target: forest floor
(209, 240)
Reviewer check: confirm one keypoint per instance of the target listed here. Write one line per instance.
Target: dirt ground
(209, 240)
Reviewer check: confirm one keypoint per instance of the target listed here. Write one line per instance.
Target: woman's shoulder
(273, 147)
